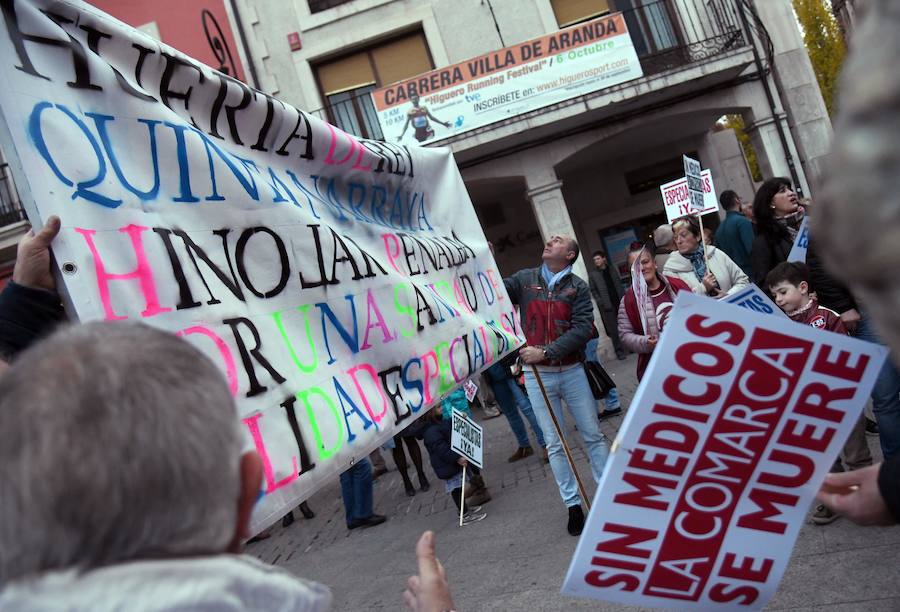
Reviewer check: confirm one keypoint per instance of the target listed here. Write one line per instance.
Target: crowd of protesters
(120, 544)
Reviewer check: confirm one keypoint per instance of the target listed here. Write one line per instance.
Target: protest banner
(754, 298)
(731, 432)
(677, 198)
(343, 286)
(466, 438)
(801, 243)
(501, 84)
(694, 184)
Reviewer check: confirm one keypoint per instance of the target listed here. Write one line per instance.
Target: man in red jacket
(558, 320)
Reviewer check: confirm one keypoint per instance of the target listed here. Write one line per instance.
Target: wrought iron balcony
(667, 35)
(10, 207)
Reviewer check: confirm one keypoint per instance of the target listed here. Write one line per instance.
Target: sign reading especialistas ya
(739, 417)
(676, 197)
(342, 285)
(571, 62)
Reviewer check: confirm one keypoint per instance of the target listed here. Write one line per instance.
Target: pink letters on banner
(271, 485)
(143, 273)
(227, 357)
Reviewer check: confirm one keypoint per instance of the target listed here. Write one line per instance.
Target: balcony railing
(10, 207)
(667, 35)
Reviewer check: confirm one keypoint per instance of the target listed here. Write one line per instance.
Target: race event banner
(731, 432)
(677, 197)
(536, 73)
(342, 286)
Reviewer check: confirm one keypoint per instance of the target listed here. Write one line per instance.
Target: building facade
(590, 165)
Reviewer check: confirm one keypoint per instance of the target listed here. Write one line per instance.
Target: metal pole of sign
(462, 497)
(584, 498)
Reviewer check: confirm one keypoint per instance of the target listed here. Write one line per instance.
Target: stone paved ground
(516, 558)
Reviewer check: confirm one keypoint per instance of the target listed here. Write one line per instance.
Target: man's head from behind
(118, 442)
(664, 237)
(730, 200)
(789, 284)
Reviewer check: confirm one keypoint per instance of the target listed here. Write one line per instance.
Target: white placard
(342, 285)
(801, 243)
(735, 424)
(466, 438)
(694, 183)
(677, 198)
(754, 298)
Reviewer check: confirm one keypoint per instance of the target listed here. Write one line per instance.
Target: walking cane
(559, 433)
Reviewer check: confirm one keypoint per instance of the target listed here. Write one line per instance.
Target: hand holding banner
(342, 285)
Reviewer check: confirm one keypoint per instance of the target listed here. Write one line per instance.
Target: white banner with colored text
(342, 285)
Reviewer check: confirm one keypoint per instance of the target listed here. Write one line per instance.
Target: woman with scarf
(778, 217)
(712, 273)
(643, 313)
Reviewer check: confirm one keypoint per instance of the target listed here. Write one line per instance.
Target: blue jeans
(612, 398)
(885, 394)
(511, 400)
(572, 386)
(356, 489)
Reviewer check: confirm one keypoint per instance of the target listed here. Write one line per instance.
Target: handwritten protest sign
(466, 438)
(754, 298)
(342, 285)
(694, 183)
(677, 197)
(737, 421)
(801, 243)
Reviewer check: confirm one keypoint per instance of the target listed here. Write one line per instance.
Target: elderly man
(664, 240)
(122, 481)
(557, 318)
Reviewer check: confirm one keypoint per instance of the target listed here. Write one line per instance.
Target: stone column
(770, 152)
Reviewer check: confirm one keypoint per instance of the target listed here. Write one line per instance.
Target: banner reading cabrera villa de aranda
(342, 285)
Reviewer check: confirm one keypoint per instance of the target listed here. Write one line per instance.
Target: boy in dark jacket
(789, 284)
(448, 465)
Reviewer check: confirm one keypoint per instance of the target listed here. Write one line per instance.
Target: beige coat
(731, 278)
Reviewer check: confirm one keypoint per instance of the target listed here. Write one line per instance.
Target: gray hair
(862, 180)
(117, 442)
(663, 235)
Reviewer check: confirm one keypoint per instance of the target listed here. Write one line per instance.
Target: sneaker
(610, 413)
(823, 515)
(871, 427)
(473, 517)
(521, 453)
(576, 520)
